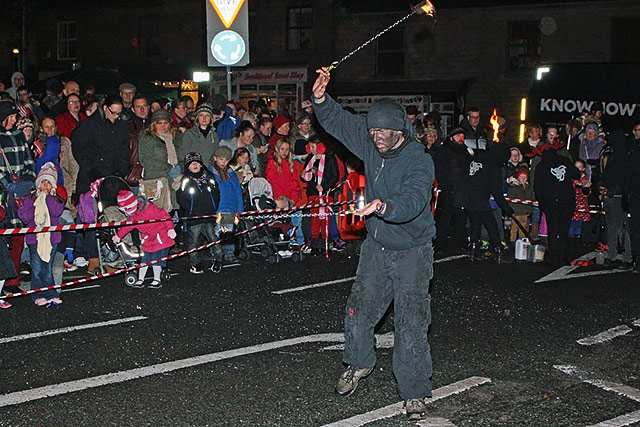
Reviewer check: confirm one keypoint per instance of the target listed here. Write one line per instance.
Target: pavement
(516, 344)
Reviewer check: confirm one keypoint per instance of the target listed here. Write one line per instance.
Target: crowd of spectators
(204, 154)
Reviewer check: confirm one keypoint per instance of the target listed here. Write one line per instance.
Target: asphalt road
(245, 348)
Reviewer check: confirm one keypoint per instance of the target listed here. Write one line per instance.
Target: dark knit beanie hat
(387, 113)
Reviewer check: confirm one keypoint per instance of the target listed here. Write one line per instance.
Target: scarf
(167, 138)
(308, 170)
(41, 218)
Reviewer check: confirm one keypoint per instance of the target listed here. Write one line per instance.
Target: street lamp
(16, 58)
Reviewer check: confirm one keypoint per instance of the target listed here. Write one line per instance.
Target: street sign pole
(228, 82)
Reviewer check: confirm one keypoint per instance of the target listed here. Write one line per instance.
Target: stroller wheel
(244, 255)
(265, 252)
(98, 270)
(273, 259)
(166, 275)
(130, 278)
(297, 257)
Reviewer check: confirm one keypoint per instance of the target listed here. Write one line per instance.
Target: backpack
(88, 208)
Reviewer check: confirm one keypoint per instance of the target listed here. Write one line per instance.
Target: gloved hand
(21, 188)
(172, 234)
(508, 211)
(115, 239)
(174, 171)
(68, 254)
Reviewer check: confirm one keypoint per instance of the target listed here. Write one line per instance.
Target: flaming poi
(495, 124)
(423, 8)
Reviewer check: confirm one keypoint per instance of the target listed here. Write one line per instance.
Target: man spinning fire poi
(396, 259)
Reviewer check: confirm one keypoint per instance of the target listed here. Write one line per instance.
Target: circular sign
(228, 47)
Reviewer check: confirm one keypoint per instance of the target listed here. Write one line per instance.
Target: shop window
(300, 28)
(149, 43)
(524, 45)
(67, 40)
(390, 53)
(625, 39)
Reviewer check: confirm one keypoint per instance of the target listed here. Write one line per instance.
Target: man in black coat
(556, 197)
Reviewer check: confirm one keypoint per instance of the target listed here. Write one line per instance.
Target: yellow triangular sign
(227, 10)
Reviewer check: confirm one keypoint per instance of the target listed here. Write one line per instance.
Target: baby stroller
(271, 241)
(127, 253)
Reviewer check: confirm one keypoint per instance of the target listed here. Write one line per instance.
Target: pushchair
(128, 252)
(273, 240)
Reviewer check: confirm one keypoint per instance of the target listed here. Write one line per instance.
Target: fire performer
(396, 259)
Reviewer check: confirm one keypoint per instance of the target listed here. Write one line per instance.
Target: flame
(218, 218)
(236, 220)
(495, 124)
(425, 7)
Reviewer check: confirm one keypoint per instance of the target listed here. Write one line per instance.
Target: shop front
(281, 87)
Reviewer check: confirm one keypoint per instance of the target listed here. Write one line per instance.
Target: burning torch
(423, 8)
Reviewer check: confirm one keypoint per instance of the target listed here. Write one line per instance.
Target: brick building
(482, 55)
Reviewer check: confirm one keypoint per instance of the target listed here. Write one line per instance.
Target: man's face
(204, 120)
(141, 108)
(385, 139)
(71, 87)
(636, 131)
(48, 127)
(180, 109)
(73, 103)
(18, 80)
(127, 95)
(535, 133)
(458, 138)
(474, 118)
(23, 95)
(112, 112)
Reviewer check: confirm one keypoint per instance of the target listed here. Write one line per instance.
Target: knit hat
(192, 157)
(161, 114)
(455, 131)
(48, 172)
(279, 121)
(591, 126)
(204, 108)
(427, 131)
(387, 113)
(127, 86)
(522, 172)
(224, 152)
(127, 202)
(24, 123)
(7, 108)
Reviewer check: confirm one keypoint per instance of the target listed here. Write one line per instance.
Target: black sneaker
(349, 379)
(196, 269)
(156, 284)
(216, 267)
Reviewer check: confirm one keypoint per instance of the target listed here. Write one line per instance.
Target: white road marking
(79, 289)
(636, 323)
(606, 335)
(24, 396)
(348, 279)
(563, 272)
(621, 389)
(397, 408)
(70, 329)
(316, 285)
(622, 420)
(435, 422)
(382, 341)
(450, 258)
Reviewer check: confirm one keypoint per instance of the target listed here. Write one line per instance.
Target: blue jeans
(403, 277)
(42, 273)
(195, 230)
(296, 220)
(228, 246)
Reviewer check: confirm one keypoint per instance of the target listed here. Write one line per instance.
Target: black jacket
(553, 185)
(482, 180)
(452, 164)
(101, 149)
(196, 199)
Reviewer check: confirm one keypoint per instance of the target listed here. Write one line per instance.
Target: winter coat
(197, 200)
(153, 236)
(152, 153)
(194, 141)
(230, 192)
(330, 176)
(26, 212)
(403, 182)
(482, 180)
(66, 123)
(451, 163)
(284, 182)
(553, 183)
(228, 124)
(518, 191)
(101, 149)
(20, 163)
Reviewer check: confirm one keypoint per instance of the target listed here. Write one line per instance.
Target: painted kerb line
(606, 335)
(70, 329)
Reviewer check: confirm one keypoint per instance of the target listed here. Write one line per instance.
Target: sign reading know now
(227, 33)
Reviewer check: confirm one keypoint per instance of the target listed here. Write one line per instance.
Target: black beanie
(387, 113)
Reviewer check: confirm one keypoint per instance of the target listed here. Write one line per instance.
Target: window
(67, 40)
(300, 28)
(524, 45)
(149, 43)
(390, 53)
(625, 40)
